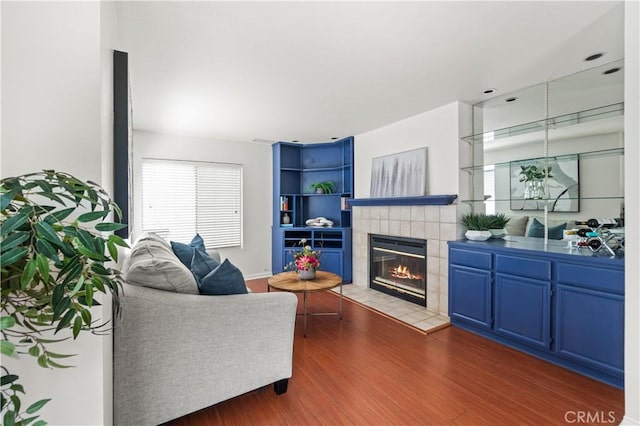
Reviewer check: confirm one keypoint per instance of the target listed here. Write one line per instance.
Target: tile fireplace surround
(435, 223)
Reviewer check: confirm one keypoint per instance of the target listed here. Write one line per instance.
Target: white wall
(53, 114)
(438, 130)
(632, 225)
(254, 258)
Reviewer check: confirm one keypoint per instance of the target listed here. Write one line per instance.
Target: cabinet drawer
(593, 277)
(524, 267)
(473, 259)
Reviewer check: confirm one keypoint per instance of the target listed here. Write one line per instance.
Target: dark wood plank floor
(370, 370)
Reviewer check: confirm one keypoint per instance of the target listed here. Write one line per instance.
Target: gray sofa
(177, 353)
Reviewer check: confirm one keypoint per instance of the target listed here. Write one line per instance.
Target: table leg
(304, 315)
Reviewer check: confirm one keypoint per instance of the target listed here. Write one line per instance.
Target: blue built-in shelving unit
(295, 167)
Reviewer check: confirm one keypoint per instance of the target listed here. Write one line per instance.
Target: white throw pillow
(153, 264)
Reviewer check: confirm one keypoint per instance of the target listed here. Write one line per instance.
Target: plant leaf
(9, 418)
(7, 322)
(86, 316)
(12, 256)
(59, 356)
(61, 215)
(88, 294)
(91, 216)
(7, 197)
(78, 286)
(37, 405)
(110, 226)
(14, 240)
(13, 223)
(28, 273)
(48, 250)
(66, 320)
(34, 350)
(43, 266)
(113, 250)
(42, 361)
(118, 241)
(9, 378)
(48, 233)
(56, 365)
(77, 327)
(60, 308)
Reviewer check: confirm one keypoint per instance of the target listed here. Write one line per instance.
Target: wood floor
(371, 370)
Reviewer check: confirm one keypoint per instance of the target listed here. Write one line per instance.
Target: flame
(401, 271)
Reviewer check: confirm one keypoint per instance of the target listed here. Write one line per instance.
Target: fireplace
(398, 267)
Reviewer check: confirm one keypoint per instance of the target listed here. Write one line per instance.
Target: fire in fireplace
(398, 266)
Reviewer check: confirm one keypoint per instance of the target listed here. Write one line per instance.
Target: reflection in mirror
(583, 147)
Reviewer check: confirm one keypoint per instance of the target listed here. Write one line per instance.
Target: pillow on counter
(536, 230)
(517, 226)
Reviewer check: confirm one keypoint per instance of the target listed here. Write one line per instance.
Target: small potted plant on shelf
(326, 187)
(478, 225)
(498, 223)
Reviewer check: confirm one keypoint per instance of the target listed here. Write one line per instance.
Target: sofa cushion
(223, 280)
(185, 251)
(153, 264)
(517, 226)
(202, 264)
(536, 229)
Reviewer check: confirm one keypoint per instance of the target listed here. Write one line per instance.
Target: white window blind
(181, 198)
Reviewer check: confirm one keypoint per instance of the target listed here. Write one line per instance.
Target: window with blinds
(181, 198)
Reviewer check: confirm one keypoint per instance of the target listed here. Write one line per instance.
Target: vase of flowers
(306, 261)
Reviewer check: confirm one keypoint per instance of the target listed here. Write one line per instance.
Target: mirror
(575, 145)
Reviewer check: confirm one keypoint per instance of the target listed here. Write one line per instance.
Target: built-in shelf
(428, 200)
(552, 123)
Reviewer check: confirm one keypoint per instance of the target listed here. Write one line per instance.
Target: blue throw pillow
(537, 230)
(202, 264)
(225, 279)
(185, 252)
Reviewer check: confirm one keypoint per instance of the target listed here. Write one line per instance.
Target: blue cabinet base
(561, 307)
(542, 354)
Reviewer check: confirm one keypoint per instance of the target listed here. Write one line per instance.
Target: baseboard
(257, 276)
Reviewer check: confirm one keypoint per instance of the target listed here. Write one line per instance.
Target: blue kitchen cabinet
(564, 307)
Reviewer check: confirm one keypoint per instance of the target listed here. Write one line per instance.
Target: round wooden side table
(289, 281)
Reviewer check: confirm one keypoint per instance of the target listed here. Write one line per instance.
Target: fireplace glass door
(398, 267)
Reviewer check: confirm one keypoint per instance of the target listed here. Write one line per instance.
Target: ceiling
(312, 71)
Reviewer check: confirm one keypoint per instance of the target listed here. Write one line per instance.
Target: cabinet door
(470, 295)
(331, 261)
(523, 309)
(589, 328)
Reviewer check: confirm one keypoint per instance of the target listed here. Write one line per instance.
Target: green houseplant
(478, 225)
(498, 223)
(326, 187)
(53, 260)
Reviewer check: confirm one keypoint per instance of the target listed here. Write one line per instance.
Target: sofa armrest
(178, 353)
